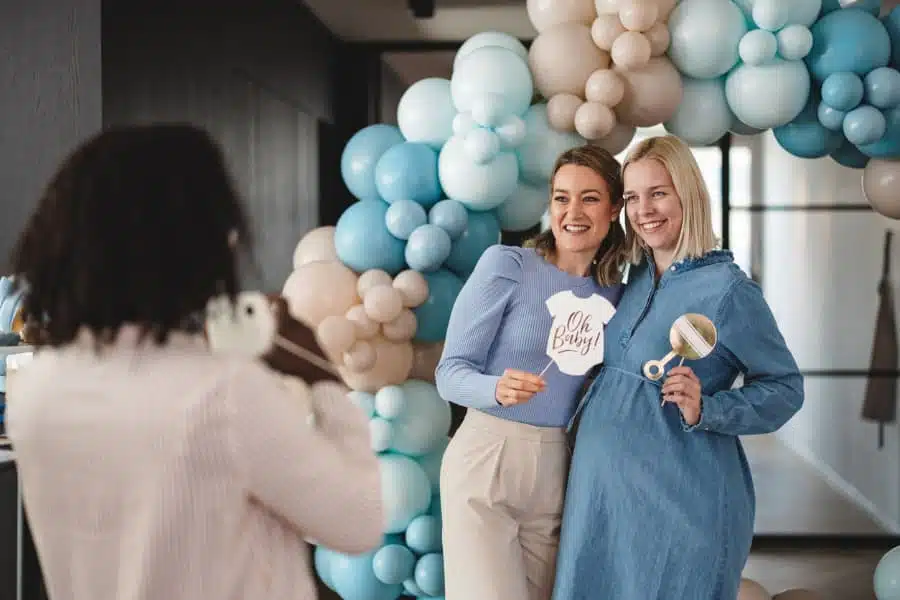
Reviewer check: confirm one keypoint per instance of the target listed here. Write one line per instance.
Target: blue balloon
(394, 564)
(830, 118)
(887, 576)
(430, 574)
(427, 248)
(849, 39)
(403, 217)
(425, 112)
(322, 558)
(409, 171)
(883, 87)
(491, 83)
(843, 91)
(451, 216)
(482, 232)
(424, 534)
(849, 156)
(870, 6)
(354, 579)
(433, 315)
(363, 242)
(889, 144)
(864, 125)
(362, 153)
(525, 208)
(405, 490)
(805, 137)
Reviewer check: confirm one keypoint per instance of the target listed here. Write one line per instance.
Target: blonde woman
(660, 501)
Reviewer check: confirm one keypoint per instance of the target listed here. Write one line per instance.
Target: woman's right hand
(517, 387)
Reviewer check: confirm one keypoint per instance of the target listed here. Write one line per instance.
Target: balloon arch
(471, 158)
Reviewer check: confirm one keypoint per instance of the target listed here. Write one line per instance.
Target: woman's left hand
(683, 389)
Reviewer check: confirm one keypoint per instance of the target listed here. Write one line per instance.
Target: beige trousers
(502, 490)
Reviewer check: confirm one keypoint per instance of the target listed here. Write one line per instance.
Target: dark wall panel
(49, 98)
(256, 75)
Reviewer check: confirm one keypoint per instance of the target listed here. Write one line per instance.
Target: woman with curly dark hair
(151, 468)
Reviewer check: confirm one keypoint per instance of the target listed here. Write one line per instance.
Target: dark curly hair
(140, 225)
(610, 257)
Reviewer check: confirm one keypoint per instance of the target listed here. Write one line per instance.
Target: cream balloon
(604, 86)
(563, 57)
(631, 50)
(360, 357)
(561, 110)
(305, 289)
(606, 7)
(372, 278)
(401, 329)
(336, 334)
(638, 15)
(881, 186)
(412, 286)
(664, 9)
(383, 303)
(618, 139)
(594, 120)
(544, 14)
(366, 328)
(605, 29)
(797, 594)
(393, 362)
(751, 590)
(317, 245)
(659, 38)
(652, 93)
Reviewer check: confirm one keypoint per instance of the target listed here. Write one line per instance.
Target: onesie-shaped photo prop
(575, 342)
(259, 326)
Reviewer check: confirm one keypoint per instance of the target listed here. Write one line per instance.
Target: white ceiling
(391, 20)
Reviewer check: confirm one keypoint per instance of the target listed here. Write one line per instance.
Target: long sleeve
(318, 474)
(773, 386)
(474, 322)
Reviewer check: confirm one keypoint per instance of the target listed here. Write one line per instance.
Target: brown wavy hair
(607, 265)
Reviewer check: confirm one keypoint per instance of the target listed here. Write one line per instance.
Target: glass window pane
(741, 176)
(740, 233)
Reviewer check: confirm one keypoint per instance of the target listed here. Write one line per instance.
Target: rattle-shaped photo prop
(693, 336)
(575, 342)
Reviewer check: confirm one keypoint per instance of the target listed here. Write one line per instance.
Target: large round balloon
(562, 58)
(544, 14)
(705, 37)
(492, 83)
(652, 93)
(477, 186)
(425, 112)
(542, 146)
(434, 314)
(493, 39)
(363, 242)
(360, 156)
(806, 137)
(703, 116)
(850, 39)
(408, 171)
(881, 185)
(787, 85)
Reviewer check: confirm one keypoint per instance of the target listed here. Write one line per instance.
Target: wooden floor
(793, 499)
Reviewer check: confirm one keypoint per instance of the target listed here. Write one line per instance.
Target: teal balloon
(848, 155)
(430, 574)
(362, 240)
(433, 315)
(394, 564)
(362, 153)
(482, 232)
(849, 39)
(806, 137)
(354, 579)
(889, 144)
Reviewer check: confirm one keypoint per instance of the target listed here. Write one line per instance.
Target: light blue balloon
(403, 217)
(381, 434)
(364, 400)
(705, 37)
(892, 25)
(362, 241)
(411, 589)
(843, 91)
(757, 47)
(322, 560)
(431, 463)
(525, 208)
(393, 564)
(482, 145)
(423, 424)
(803, 12)
(424, 534)
(425, 112)
(482, 232)
(794, 42)
(787, 85)
(805, 137)
(427, 248)
(542, 146)
(864, 125)
(360, 156)
(451, 216)
(703, 116)
(849, 39)
(390, 402)
(883, 87)
(771, 15)
(354, 579)
(408, 171)
(492, 39)
(405, 490)
(831, 118)
(430, 574)
(478, 187)
(870, 6)
(433, 315)
(887, 576)
(494, 73)
(848, 155)
(889, 145)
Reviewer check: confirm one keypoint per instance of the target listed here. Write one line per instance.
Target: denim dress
(656, 509)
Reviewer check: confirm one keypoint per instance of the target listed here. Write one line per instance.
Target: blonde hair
(697, 236)
(610, 256)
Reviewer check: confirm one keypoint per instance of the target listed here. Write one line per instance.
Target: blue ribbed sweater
(500, 321)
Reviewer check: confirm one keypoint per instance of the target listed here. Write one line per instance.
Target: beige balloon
(618, 139)
(659, 38)
(401, 329)
(561, 110)
(360, 357)
(652, 93)
(797, 594)
(372, 278)
(563, 57)
(426, 357)
(631, 50)
(316, 245)
(664, 9)
(604, 86)
(605, 29)
(606, 7)
(336, 334)
(304, 288)
(881, 186)
(544, 14)
(638, 15)
(413, 286)
(393, 362)
(366, 328)
(751, 590)
(383, 303)
(594, 120)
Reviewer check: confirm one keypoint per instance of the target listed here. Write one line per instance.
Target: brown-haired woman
(504, 473)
